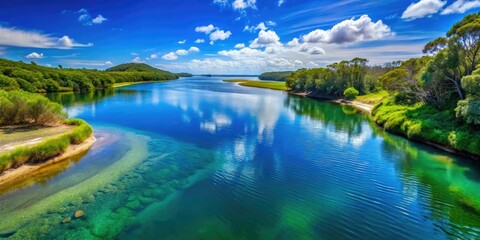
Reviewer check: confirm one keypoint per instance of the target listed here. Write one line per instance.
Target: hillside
(34, 78)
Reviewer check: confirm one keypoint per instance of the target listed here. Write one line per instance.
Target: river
(198, 158)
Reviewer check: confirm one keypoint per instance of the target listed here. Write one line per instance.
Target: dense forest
(434, 98)
(275, 76)
(34, 78)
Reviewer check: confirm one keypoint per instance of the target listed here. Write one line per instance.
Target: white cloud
(260, 26)
(221, 2)
(200, 40)
(181, 52)
(182, 42)
(136, 60)
(86, 19)
(265, 38)
(194, 49)
(281, 2)
(350, 31)
(99, 19)
(48, 65)
(244, 4)
(153, 56)
(240, 45)
(34, 55)
(170, 56)
(219, 35)
(23, 38)
(461, 6)
(423, 8)
(205, 29)
(108, 63)
(293, 43)
(88, 63)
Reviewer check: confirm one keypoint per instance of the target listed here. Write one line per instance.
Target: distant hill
(34, 78)
(275, 76)
(134, 67)
(184, 74)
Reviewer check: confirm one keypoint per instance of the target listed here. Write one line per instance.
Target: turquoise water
(198, 158)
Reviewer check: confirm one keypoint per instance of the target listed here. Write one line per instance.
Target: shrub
(350, 93)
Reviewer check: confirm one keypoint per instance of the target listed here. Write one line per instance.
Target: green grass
(425, 123)
(259, 84)
(372, 98)
(124, 84)
(46, 149)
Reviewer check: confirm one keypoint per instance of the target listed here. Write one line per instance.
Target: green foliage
(34, 78)
(426, 123)
(20, 107)
(469, 110)
(350, 93)
(334, 79)
(275, 76)
(47, 149)
(184, 74)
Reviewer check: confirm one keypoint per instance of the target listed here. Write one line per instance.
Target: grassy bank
(124, 84)
(46, 149)
(259, 84)
(426, 124)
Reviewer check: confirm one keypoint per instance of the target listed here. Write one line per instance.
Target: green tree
(350, 93)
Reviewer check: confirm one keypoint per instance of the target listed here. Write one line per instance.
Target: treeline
(434, 98)
(20, 107)
(275, 76)
(34, 78)
(333, 80)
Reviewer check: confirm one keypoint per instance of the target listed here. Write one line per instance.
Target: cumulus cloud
(34, 55)
(181, 52)
(86, 19)
(461, 6)
(108, 63)
(182, 42)
(265, 38)
(214, 33)
(317, 51)
(23, 38)
(219, 35)
(194, 49)
(260, 26)
(423, 8)
(237, 5)
(205, 29)
(200, 40)
(99, 19)
(136, 60)
(240, 45)
(170, 56)
(281, 2)
(350, 31)
(153, 56)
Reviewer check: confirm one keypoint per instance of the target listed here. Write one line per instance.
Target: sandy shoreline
(358, 105)
(25, 171)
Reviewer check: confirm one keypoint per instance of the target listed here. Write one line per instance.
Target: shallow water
(201, 159)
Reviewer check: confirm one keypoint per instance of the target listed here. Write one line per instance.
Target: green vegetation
(259, 84)
(350, 93)
(34, 78)
(20, 107)
(434, 98)
(47, 149)
(275, 76)
(184, 74)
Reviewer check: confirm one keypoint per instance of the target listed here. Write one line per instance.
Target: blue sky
(222, 36)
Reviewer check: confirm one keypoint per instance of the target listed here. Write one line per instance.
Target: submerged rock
(79, 213)
(67, 220)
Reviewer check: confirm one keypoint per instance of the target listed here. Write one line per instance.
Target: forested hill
(275, 76)
(135, 67)
(34, 78)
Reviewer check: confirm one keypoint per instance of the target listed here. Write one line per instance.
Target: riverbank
(48, 148)
(23, 172)
(124, 84)
(259, 84)
(444, 136)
